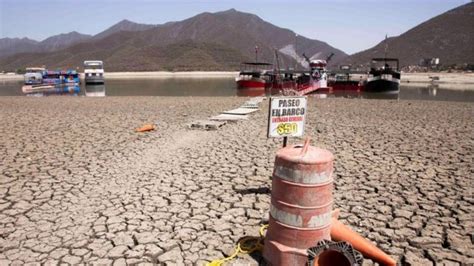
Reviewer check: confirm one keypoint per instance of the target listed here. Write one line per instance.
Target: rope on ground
(246, 245)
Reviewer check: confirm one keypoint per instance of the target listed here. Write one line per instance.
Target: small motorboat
(93, 72)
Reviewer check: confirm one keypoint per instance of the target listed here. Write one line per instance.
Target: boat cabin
(385, 67)
(94, 72)
(34, 75)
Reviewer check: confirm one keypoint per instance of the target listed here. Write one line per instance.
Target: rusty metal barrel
(301, 204)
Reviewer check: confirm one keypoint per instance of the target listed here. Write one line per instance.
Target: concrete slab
(249, 105)
(206, 124)
(229, 117)
(240, 111)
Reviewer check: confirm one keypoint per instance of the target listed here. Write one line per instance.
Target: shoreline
(425, 78)
(165, 74)
(444, 78)
(149, 74)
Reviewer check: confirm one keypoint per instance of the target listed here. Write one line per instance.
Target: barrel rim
(296, 220)
(331, 202)
(279, 171)
(300, 228)
(306, 185)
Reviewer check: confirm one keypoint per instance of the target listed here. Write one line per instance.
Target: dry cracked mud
(79, 186)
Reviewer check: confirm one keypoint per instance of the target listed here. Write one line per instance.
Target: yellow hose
(246, 245)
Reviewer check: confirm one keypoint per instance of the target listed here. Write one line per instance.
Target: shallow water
(226, 87)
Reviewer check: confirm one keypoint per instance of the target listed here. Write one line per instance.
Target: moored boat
(61, 77)
(253, 76)
(52, 77)
(34, 75)
(343, 82)
(291, 82)
(71, 77)
(93, 72)
(385, 78)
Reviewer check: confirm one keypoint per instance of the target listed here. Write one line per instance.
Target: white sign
(286, 117)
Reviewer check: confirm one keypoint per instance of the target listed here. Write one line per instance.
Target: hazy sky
(349, 25)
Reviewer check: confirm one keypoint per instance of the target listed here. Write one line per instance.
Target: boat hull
(94, 80)
(345, 86)
(382, 85)
(297, 88)
(251, 84)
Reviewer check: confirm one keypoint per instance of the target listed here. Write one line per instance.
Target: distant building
(429, 62)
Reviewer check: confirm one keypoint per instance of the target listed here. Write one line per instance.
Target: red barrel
(301, 204)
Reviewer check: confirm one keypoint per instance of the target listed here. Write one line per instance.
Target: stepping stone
(250, 105)
(240, 111)
(228, 117)
(206, 124)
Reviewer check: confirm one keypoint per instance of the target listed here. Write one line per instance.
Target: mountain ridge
(63, 40)
(233, 33)
(448, 36)
(123, 25)
(11, 46)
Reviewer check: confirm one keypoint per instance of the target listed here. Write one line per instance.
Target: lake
(226, 87)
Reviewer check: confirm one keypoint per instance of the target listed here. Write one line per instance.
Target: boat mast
(296, 51)
(278, 67)
(256, 53)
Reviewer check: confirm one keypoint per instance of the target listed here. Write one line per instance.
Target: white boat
(34, 75)
(93, 72)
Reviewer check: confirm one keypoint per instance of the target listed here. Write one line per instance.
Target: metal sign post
(286, 117)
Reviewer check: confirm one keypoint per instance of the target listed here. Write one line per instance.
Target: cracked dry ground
(77, 185)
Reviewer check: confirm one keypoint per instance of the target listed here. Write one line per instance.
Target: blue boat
(71, 77)
(61, 77)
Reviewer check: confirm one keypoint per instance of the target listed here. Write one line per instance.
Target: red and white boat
(254, 76)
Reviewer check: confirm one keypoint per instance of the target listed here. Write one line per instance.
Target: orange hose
(341, 232)
(147, 127)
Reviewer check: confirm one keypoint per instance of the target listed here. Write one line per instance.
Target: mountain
(62, 40)
(242, 31)
(124, 25)
(449, 37)
(208, 41)
(10, 46)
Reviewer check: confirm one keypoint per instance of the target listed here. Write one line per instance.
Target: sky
(349, 25)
